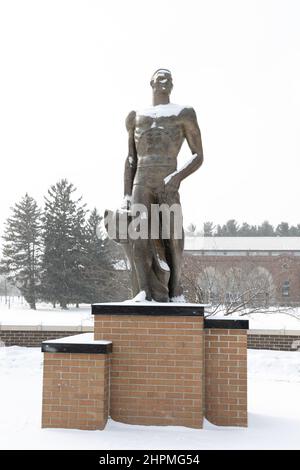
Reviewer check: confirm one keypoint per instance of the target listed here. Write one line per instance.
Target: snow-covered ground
(18, 313)
(274, 411)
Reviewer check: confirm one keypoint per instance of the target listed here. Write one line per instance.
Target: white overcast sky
(70, 71)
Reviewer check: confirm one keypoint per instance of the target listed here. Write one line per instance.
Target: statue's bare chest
(151, 129)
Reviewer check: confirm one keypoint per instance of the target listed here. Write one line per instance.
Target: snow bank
(279, 366)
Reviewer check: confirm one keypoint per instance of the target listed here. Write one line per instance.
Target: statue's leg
(174, 256)
(128, 248)
(142, 254)
(174, 247)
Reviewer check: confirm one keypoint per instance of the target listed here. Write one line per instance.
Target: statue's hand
(172, 182)
(126, 203)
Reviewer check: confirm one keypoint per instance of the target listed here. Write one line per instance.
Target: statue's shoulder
(130, 120)
(188, 112)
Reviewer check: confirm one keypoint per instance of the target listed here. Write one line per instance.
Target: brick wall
(226, 376)
(156, 368)
(75, 390)
(34, 337)
(257, 340)
(278, 342)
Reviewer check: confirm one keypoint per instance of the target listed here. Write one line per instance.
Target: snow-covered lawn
(45, 315)
(274, 411)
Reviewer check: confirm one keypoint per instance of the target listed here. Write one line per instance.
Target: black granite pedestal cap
(150, 308)
(226, 324)
(80, 344)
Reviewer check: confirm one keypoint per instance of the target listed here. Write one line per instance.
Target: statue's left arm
(193, 136)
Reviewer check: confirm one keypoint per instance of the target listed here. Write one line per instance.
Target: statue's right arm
(131, 160)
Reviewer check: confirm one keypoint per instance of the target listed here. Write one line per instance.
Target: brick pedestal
(157, 364)
(226, 372)
(76, 383)
(169, 367)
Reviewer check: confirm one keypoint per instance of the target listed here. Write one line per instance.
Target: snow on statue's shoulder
(162, 110)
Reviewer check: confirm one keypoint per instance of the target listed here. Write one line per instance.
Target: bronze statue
(156, 135)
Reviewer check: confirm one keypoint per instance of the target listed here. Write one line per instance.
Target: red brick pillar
(76, 382)
(226, 372)
(157, 362)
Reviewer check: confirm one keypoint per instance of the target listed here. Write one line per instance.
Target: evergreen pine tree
(22, 249)
(79, 287)
(64, 245)
(98, 267)
(103, 281)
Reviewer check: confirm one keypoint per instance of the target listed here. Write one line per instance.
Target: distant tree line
(232, 229)
(55, 254)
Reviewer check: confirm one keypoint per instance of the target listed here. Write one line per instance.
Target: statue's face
(162, 82)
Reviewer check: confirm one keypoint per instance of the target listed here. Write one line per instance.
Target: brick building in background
(274, 261)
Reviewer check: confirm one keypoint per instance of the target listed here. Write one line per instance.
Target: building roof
(242, 244)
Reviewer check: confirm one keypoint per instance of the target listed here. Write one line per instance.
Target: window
(286, 289)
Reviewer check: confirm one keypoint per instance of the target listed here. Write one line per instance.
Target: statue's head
(161, 81)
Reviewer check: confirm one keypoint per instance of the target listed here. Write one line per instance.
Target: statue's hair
(158, 70)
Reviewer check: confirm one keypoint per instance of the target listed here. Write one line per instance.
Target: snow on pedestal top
(84, 338)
